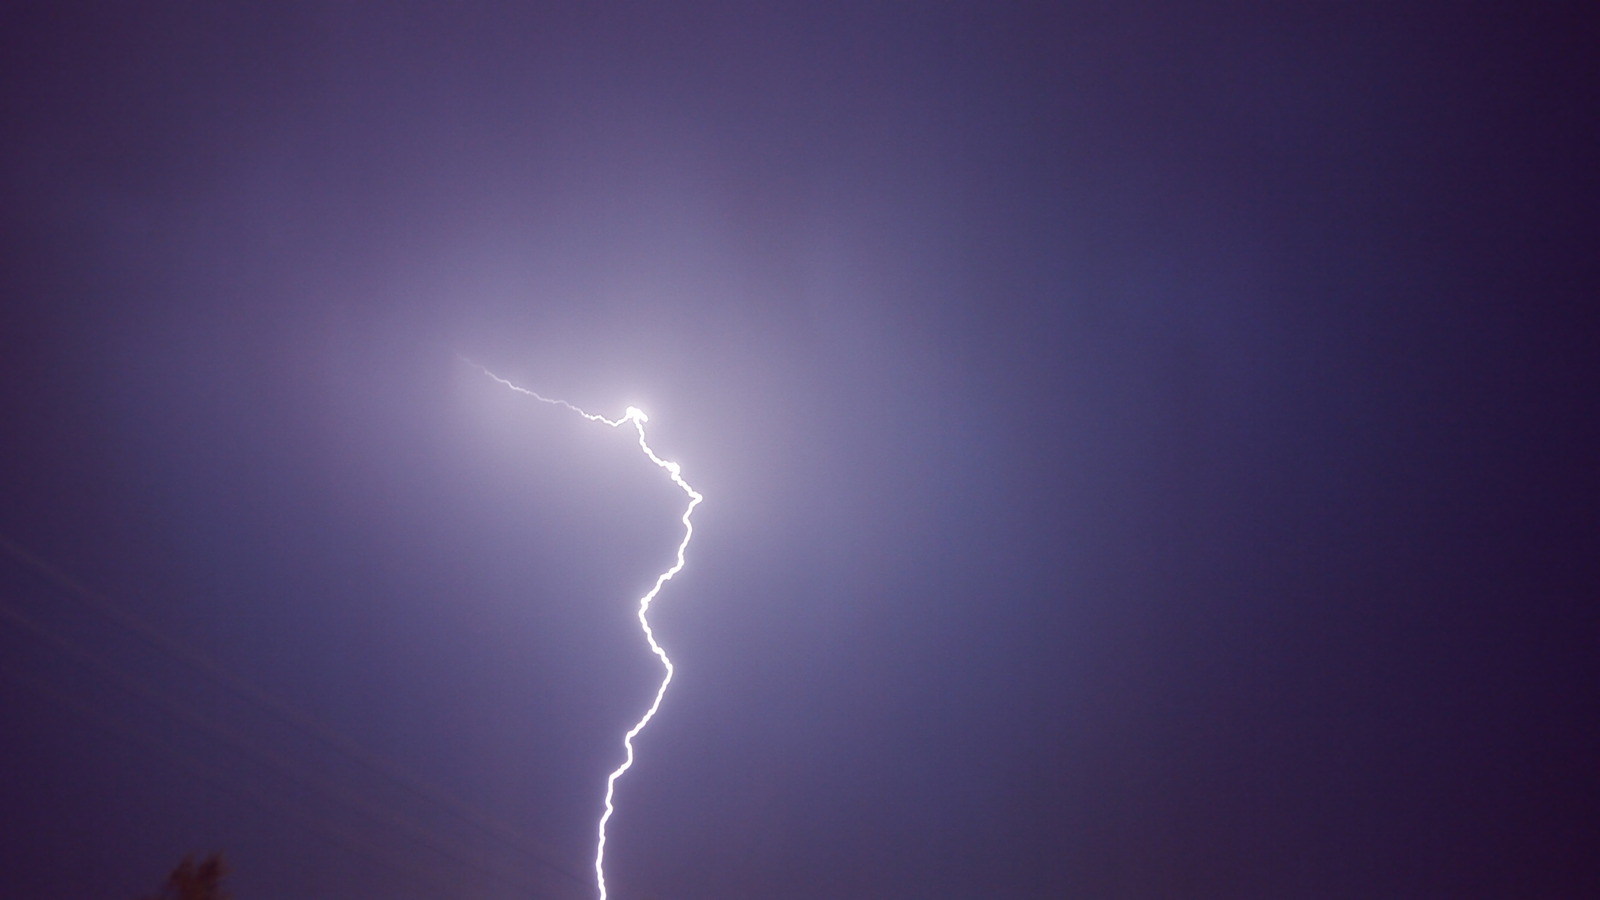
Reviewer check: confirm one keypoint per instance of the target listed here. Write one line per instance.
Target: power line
(416, 832)
(271, 802)
(109, 609)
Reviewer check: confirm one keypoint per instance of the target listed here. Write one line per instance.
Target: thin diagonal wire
(109, 609)
(414, 831)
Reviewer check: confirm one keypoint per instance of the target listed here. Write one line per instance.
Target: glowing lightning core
(635, 415)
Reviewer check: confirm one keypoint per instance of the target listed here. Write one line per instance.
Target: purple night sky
(1149, 449)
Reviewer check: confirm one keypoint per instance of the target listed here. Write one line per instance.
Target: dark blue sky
(1149, 448)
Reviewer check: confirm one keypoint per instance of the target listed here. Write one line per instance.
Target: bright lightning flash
(635, 415)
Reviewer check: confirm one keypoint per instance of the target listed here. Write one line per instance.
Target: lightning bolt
(636, 416)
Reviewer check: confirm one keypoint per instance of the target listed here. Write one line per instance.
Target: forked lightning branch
(637, 417)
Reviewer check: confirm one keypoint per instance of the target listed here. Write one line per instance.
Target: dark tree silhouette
(195, 880)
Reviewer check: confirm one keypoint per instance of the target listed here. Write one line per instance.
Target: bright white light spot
(636, 414)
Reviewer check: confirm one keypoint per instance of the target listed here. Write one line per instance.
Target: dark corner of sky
(1148, 450)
